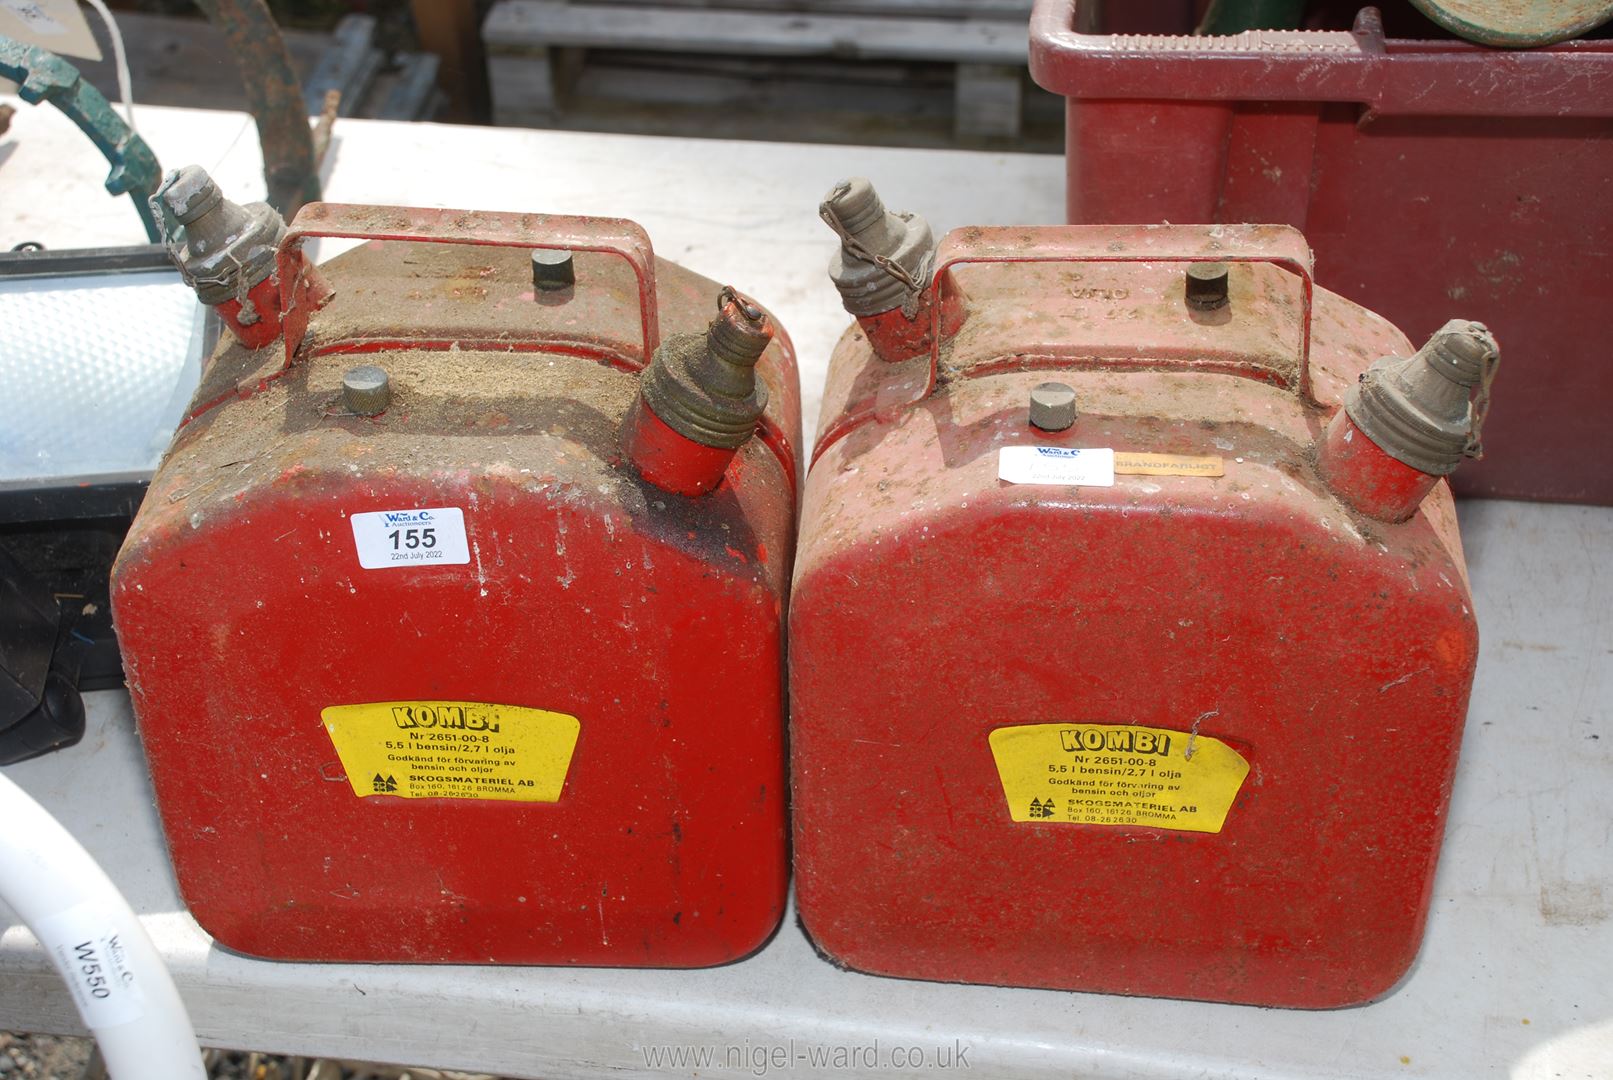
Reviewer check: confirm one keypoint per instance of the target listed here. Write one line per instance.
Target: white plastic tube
(119, 982)
(120, 60)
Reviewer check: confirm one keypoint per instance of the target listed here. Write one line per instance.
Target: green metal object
(41, 75)
(1517, 24)
(1235, 16)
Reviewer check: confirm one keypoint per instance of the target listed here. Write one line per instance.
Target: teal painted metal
(41, 75)
(1517, 23)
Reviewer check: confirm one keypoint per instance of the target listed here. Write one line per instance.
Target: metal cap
(1052, 406)
(1207, 286)
(553, 269)
(705, 388)
(366, 390)
(222, 249)
(1420, 410)
(884, 259)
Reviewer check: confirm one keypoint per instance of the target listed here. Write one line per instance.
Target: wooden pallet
(535, 48)
(356, 67)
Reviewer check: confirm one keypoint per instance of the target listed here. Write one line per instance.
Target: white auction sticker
(91, 951)
(431, 537)
(1057, 465)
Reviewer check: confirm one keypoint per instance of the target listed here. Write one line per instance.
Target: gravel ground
(47, 1057)
(53, 1057)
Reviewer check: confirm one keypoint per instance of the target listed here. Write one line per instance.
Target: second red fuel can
(1131, 638)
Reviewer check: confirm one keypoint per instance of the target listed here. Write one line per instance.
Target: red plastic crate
(1434, 178)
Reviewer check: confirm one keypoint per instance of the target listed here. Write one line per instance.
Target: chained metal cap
(885, 259)
(222, 249)
(1428, 410)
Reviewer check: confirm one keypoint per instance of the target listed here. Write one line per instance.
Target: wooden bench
(532, 45)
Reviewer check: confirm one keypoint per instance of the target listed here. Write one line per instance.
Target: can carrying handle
(480, 228)
(1279, 245)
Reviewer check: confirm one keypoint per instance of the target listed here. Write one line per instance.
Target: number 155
(412, 538)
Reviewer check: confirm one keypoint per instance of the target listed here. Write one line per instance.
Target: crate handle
(1279, 245)
(481, 228)
(1390, 77)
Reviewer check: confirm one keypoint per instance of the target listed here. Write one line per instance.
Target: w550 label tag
(434, 536)
(89, 946)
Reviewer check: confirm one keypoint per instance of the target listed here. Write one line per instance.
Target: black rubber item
(57, 722)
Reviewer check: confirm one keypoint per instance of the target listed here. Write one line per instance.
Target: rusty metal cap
(222, 249)
(885, 259)
(1421, 410)
(704, 387)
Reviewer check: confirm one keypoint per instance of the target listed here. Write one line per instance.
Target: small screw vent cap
(553, 269)
(366, 390)
(1052, 407)
(1207, 286)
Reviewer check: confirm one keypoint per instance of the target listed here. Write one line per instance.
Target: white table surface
(1515, 977)
(745, 214)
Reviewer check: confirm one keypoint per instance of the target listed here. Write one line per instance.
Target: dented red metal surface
(256, 321)
(667, 459)
(1366, 477)
(378, 224)
(936, 604)
(896, 336)
(653, 619)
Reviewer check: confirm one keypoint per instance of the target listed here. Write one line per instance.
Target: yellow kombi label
(453, 749)
(1103, 774)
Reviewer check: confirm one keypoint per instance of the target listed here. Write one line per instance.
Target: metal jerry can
(1131, 638)
(453, 618)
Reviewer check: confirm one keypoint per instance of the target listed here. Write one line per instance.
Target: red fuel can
(1131, 638)
(426, 666)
